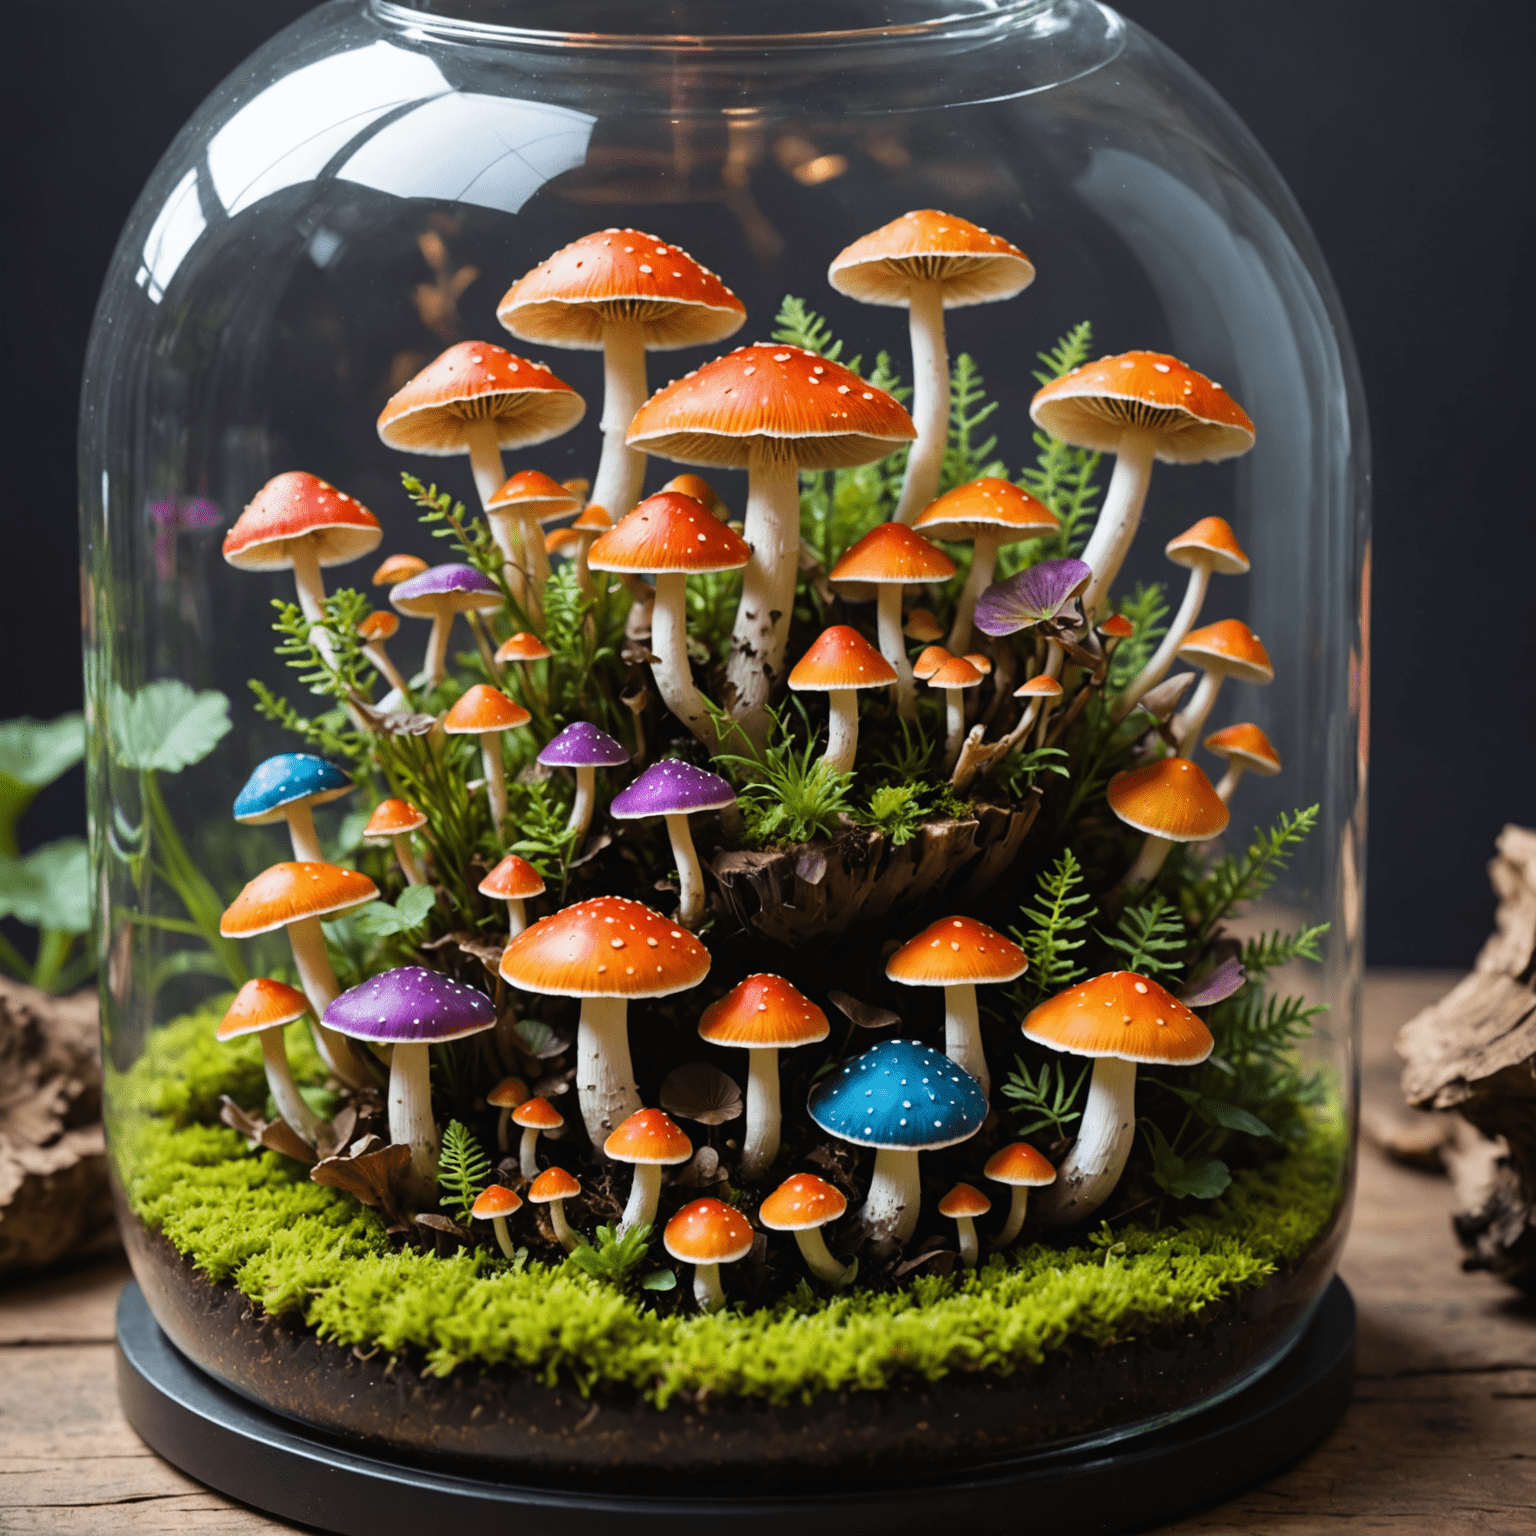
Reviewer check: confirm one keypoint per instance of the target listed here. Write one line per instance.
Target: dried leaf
(701, 1092)
(537, 1039)
(865, 1015)
(1161, 701)
(370, 1172)
(274, 1135)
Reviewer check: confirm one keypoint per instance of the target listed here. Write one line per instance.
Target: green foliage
(790, 794)
(800, 326)
(1147, 609)
(1235, 880)
(380, 920)
(470, 535)
(326, 734)
(897, 810)
(614, 1258)
(1021, 769)
(547, 842)
(49, 887)
(1044, 1102)
(964, 458)
(165, 726)
(1062, 477)
(1191, 1175)
(33, 753)
(1061, 908)
(293, 1247)
(463, 1170)
(1150, 939)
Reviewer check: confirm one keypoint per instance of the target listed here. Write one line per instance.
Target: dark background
(1405, 131)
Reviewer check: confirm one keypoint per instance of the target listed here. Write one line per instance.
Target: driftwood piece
(818, 890)
(1474, 1052)
(53, 1166)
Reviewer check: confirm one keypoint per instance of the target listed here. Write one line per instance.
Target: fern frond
(1236, 880)
(463, 1170)
(1147, 936)
(964, 458)
(1147, 609)
(1061, 908)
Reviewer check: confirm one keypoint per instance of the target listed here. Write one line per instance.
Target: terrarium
(725, 661)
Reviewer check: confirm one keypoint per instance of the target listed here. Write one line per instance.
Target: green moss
(290, 1245)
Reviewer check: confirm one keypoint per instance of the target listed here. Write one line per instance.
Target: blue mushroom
(901, 1098)
(283, 789)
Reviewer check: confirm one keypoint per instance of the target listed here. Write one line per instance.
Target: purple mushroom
(411, 1009)
(675, 789)
(1216, 986)
(586, 749)
(1035, 596)
(438, 594)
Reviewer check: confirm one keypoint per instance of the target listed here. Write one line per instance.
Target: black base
(303, 1475)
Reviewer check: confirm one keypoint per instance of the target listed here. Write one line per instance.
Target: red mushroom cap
(606, 947)
(666, 534)
(593, 519)
(929, 660)
(394, 569)
(523, 647)
(380, 625)
(800, 1203)
(1117, 627)
(1123, 1015)
(1018, 1163)
(1246, 744)
(1041, 686)
(473, 382)
(513, 879)
(983, 505)
(974, 265)
(1232, 647)
(554, 1184)
(964, 1200)
(262, 1004)
(495, 1201)
(621, 274)
(530, 490)
(956, 672)
(294, 507)
(1209, 542)
(956, 950)
(537, 1115)
(649, 1136)
(483, 709)
(391, 818)
(1196, 421)
(287, 892)
(840, 657)
(777, 401)
(708, 1232)
(763, 1010)
(891, 552)
(1170, 798)
(508, 1093)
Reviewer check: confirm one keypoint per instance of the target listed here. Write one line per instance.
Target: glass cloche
(725, 667)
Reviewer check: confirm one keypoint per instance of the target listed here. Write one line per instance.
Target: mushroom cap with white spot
(290, 778)
(899, 1095)
(973, 265)
(954, 951)
(410, 1006)
(1123, 1015)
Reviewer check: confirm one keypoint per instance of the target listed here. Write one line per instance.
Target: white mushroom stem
(322, 989)
(761, 1145)
(1097, 1159)
(533, 542)
(527, 1163)
(707, 1291)
(405, 856)
(644, 1194)
(893, 647)
(1190, 720)
(484, 444)
(772, 530)
(285, 1092)
(621, 470)
(564, 1234)
(930, 399)
(1148, 862)
(690, 877)
(301, 832)
(895, 1195)
(1163, 657)
(495, 777)
(436, 664)
(605, 1080)
(954, 726)
(1224, 790)
(983, 567)
(842, 729)
(517, 917)
(1016, 1213)
(584, 541)
(410, 1112)
(507, 530)
(818, 1259)
(962, 1033)
(1121, 513)
(503, 1237)
(669, 659)
(503, 1120)
(969, 1249)
(376, 653)
(581, 806)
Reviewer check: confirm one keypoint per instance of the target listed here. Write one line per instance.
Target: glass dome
(355, 202)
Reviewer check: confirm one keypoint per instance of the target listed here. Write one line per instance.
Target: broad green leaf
(49, 888)
(380, 920)
(1232, 1118)
(166, 726)
(1200, 1178)
(33, 753)
(659, 1280)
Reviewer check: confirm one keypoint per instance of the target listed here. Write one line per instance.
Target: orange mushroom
(838, 663)
(1170, 800)
(395, 820)
(707, 1234)
(486, 712)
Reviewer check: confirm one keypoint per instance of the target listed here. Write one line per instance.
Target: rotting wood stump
(818, 890)
(1474, 1052)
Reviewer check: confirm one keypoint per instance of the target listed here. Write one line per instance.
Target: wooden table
(1441, 1437)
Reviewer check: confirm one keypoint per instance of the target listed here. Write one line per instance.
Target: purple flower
(1034, 596)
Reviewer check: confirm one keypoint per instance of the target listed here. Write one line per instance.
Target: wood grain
(1440, 1440)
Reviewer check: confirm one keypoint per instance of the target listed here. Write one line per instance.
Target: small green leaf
(380, 920)
(1201, 1178)
(36, 752)
(50, 888)
(166, 726)
(1232, 1118)
(659, 1280)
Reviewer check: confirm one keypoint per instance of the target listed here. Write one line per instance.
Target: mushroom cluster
(596, 750)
